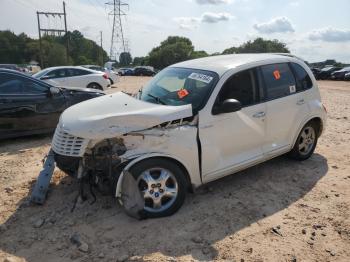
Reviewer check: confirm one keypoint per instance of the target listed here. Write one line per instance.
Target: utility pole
(53, 31)
(101, 49)
(117, 29)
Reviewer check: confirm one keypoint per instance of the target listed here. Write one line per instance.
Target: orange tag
(277, 74)
(182, 93)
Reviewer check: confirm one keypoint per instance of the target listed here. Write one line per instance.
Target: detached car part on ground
(195, 122)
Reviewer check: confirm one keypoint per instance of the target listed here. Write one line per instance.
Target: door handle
(259, 114)
(301, 102)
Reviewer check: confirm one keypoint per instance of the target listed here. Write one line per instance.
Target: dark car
(315, 72)
(126, 71)
(144, 71)
(340, 74)
(30, 106)
(326, 72)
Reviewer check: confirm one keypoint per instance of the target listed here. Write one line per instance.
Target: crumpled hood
(117, 114)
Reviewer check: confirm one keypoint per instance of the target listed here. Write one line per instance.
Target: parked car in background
(316, 72)
(112, 76)
(347, 77)
(126, 71)
(144, 71)
(326, 72)
(340, 74)
(74, 76)
(10, 66)
(31, 106)
(194, 122)
(33, 69)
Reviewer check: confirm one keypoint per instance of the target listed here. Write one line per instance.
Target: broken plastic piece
(131, 197)
(43, 182)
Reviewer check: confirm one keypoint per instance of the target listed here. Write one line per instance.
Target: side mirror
(53, 91)
(228, 106)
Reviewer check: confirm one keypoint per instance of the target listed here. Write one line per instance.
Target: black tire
(94, 86)
(161, 163)
(111, 81)
(302, 153)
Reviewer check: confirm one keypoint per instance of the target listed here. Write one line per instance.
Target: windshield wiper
(158, 100)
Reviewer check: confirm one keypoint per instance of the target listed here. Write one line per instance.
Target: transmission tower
(118, 41)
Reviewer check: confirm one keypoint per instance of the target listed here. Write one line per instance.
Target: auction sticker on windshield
(201, 77)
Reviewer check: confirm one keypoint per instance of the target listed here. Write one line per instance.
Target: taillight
(325, 109)
(105, 76)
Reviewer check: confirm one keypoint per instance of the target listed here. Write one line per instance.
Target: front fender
(126, 169)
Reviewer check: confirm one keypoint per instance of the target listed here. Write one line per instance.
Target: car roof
(65, 67)
(222, 63)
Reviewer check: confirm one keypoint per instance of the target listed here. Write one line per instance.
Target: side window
(80, 72)
(303, 79)
(242, 86)
(58, 73)
(9, 84)
(279, 80)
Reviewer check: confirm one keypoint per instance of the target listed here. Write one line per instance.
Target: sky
(315, 30)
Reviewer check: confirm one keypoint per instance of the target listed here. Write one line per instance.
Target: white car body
(209, 146)
(112, 76)
(74, 76)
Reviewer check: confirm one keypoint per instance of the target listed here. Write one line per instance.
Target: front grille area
(68, 145)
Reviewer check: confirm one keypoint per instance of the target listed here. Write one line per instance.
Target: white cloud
(275, 25)
(188, 23)
(209, 17)
(330, 34)
(212, 2)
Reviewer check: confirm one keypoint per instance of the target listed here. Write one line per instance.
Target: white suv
(195, 122)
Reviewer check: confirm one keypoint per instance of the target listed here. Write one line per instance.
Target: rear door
(286, 107)
(78, 77)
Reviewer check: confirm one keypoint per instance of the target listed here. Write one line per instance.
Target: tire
(95, 86)
(163, 197)
(306, 142)
(111, 81)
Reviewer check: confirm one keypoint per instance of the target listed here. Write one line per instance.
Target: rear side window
(279, 80)
(242, 86)
(303, 79)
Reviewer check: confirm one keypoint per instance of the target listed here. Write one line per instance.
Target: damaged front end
(103, 157)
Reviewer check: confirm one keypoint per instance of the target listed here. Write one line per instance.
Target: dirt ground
(281, 210)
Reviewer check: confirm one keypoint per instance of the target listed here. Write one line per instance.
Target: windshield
(180, 86)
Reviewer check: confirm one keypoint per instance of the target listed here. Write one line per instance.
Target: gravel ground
(281, 210)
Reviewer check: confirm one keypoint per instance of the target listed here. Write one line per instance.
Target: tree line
(20, 49)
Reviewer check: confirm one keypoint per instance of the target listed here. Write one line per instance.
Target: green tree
(198, 54)
(259, 45)
(125, 59)
(173, 50)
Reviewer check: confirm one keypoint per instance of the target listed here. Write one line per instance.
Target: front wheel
(162, 184)
(306, 142)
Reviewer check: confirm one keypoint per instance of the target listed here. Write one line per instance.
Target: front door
(231, 141)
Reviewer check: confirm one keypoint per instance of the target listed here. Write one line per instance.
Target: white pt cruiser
(194, 122)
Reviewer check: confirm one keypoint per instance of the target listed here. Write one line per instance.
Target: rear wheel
(162, 184)
(306, 142)
(94, 86)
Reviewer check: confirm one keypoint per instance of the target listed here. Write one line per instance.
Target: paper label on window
(201, 77)
(292, 89)
(182, 93)
(277, 74)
